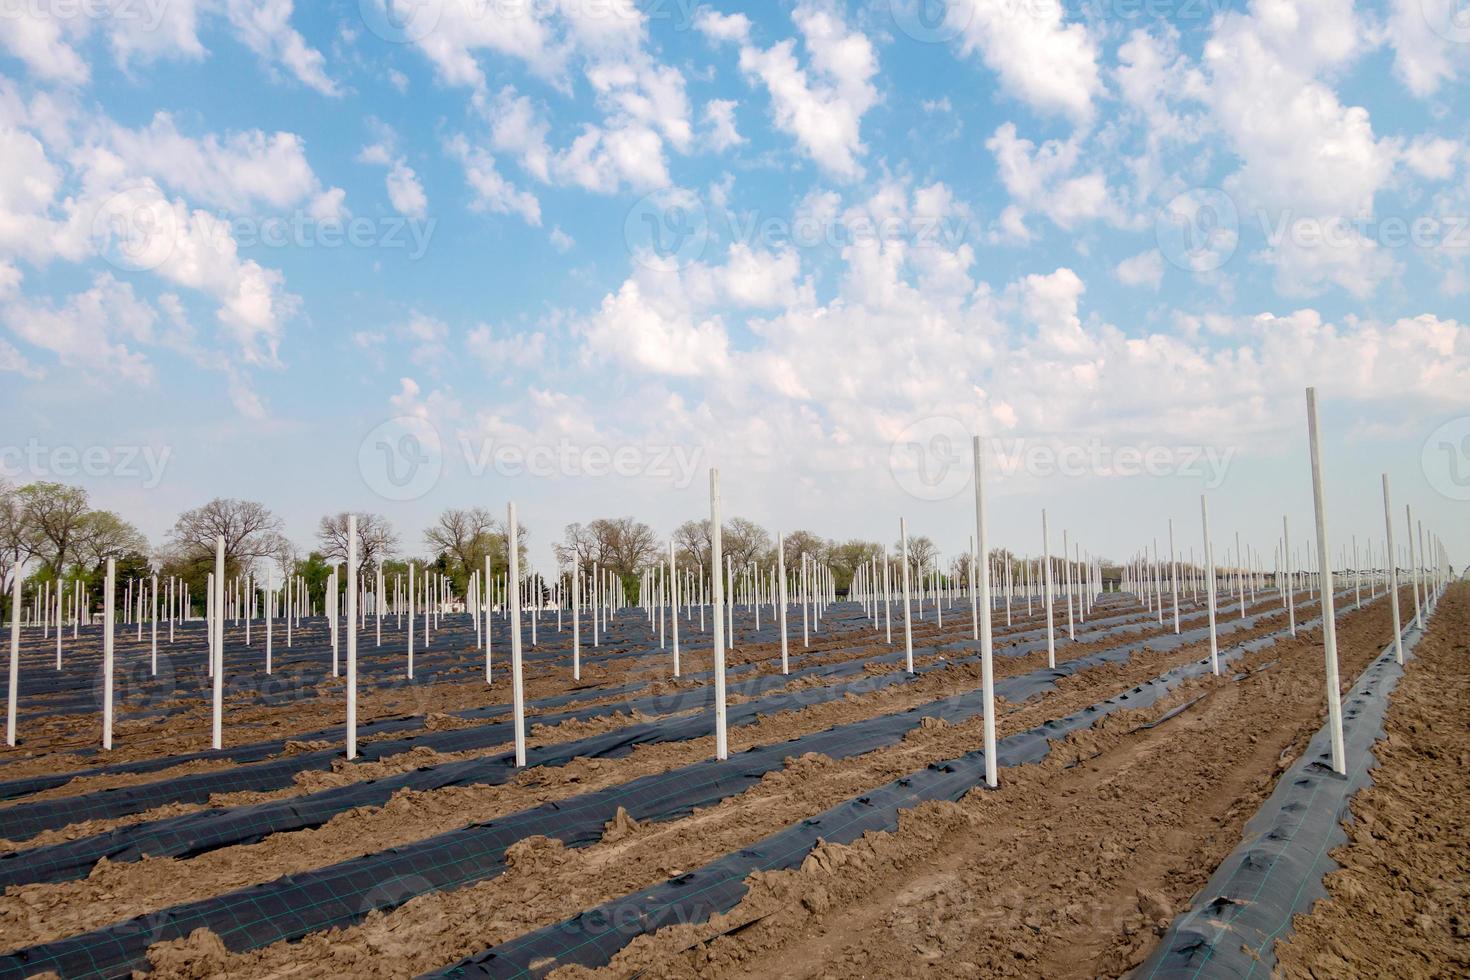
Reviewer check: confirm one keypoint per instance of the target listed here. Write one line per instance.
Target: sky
(404, 255)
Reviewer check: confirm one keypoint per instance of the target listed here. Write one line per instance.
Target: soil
(1071, 868)
(546, 882)
(1400, 904)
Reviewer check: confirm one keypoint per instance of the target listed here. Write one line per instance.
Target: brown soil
(546, 882)
(1071, 868)
(1400, 905)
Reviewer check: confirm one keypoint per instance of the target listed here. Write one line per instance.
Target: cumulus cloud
(821, 105)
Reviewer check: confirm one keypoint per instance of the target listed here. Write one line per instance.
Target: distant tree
(922, 551)
(55, 515)
(102, 535)
(376, 539)
(250, 530)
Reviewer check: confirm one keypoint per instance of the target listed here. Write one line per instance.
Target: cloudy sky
(401, 255)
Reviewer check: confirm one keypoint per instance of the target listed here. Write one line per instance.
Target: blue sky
(1084, 229)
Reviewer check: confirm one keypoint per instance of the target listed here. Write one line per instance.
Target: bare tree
(376, 539)
(581, 547)
(250, 531)
(102, 535)
(466, 537)
(799, 543)
(745, 541)
(692, 544)
(742, 540)
(54, 514)
(922, 551)
(630, 545)
(18, 542)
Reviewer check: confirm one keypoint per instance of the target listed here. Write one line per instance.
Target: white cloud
(1143, 269)
(264, 26)
(720, 27)
(1041, 179)
(822, 107)
(1425, 58)
(1432, 157)
(405, 191)
(239, 172)
(492, 191)
(1040, 59)
(92, 331)
(719, 117)
(498, 353)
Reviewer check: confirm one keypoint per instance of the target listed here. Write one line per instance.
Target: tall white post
(717, 599)
(153, 619)
(270, 582)
(1286, 555)
(109, 587)
(517, 682)
(1329, 619)
(781, 595)
(1051, 642)
(352, 625)
(1393, 576)
(577, 627)
(217, 721)
(981, 561)
(674, 605)
(1204, 514)
(14, 654)
(908, 626)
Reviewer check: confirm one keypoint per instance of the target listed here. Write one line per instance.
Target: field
(849, 832)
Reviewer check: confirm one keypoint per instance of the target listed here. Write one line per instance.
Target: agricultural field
(850, 828)
(703, 490)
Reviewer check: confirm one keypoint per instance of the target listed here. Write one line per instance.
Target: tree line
(58, 536)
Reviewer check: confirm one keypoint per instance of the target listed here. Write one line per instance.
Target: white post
(270, 578)
(217, 726)
(517, 684)
(1393, 576)
(577, 627)
(781, 595)
(109, 586)
(1051, 644)
(153, 619)
(1329, 622)
(1204, 514)
(717, 599)
(352, 626)
(674, 604)
(14, 655)
(908, 626)
(1290, 598)
(981, 559)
